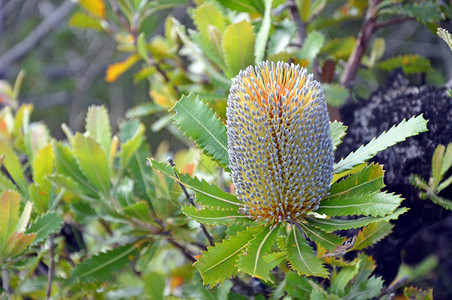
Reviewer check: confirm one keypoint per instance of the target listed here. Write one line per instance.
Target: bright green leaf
(301, 256)
(213, 216)
(206, 194)
(141, 46)
(252, 260)
(43, 166)
(371, 234)
(367, 180)
(375, 204)
(92, 162)
(337, 132)
(326, 240)
(409, 63)
(44, 225)
(330, 225)
(341, 279)
(207, 15)
(396, 134)
(201, 124)
(220, 262)
(12, 165)
(138, 210)
(98, 127)
(102, 265)
(244, 5)
(262, 35)
(238, 47)
(311, 47)
(128, 148)
(40, 197)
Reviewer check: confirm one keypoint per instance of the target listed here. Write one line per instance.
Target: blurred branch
(42, 30)
(367, 30)
(51, 267)
(301, 28)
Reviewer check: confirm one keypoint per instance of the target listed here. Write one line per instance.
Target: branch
(51, 267)
(390, 289)
(43, 29)
(301, 28)
(190, 200)
(367, 30)
(393, 22)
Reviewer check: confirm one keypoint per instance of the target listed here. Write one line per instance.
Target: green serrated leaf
(214, 216)
(16, 244)
(330, 225)
(371, 234)
(337, 132)
(396, 134)
(423, 11)
(138, 210)
(375, 204)
(252, 260)
(43, 166)
(207, 15)
(414, 293)
(201, 124)
(447, 204)
(92, 162)
(262, 35)
(39, 197)
(368, 289)
(98, 127)
(66, 165)
(341, 279)
(44, 225)
(312, 46)
(12, 165)
(297, 286)
(326, 240)
(367, 180)
(238, 47)
(274, 259)
(301, 256)
(220, 262)
(102, 265)
(9, 214)
(206, 194)
(66, 183)
(128, 149)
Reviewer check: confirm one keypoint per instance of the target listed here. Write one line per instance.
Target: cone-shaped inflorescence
(280, 148)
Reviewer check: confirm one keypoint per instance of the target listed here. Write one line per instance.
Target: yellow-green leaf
(9, 215)
(85, 21)
(43, 166)
(94, 7)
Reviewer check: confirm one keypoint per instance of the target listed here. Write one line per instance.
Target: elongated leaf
(24, 217)
(220, 262)
(85, 21)
(207, 15)
(68, 184)
(371, 234)
(98, 127)
(262, 35)
(340, 280)
(367, 180)
(92, 162)
(274, 259)
(337, 131)
(369, 204)
(368, 289)
(330, 225)
(101, 266)
(138, 210)
(312, 46)
(206, 194)
(238, 47)
(201, 124)
(43, 166)
(244, 5)
(9, 214)
(447, 204)
(326, 240)
(396, 134)
(66, 165)
(253, 263)
(301, 256)
(129, 148)
(39, 197)
(298, 287)
(12, 165)
(45, 225)
(6, 183)
(214, 216)
(409, 63)
(16, 244)
(94, 7)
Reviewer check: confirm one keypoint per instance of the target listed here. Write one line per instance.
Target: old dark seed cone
(280, 148)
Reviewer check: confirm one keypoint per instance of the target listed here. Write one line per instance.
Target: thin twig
(190, 200)
(51, 266)
(184, 251)
(301, 27)
(41, 31)
(393, 22)
(367, 30)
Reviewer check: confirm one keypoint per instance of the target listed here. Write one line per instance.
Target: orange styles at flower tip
(280, 148)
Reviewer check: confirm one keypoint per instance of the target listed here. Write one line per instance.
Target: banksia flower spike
(280, 149)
